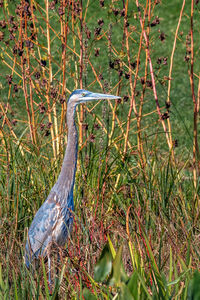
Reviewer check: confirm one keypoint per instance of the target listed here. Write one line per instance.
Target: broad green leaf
(194, 287)
(104, 265)
(125, 293)
(118, 274)
(116, 268)
(133, 285)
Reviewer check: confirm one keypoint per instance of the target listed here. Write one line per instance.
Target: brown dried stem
(170, 77)
(49, 84)
(152, 75)
(195, 108)
(24, 76)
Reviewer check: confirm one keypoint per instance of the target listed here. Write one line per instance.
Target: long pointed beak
(97, 96)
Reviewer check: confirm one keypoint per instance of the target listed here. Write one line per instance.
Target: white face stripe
(74, 97)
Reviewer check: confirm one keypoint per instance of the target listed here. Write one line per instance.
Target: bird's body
(53, 221)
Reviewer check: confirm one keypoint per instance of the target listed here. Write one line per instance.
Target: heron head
(83, 96)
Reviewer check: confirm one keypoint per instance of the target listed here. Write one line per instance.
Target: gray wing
(40, 231)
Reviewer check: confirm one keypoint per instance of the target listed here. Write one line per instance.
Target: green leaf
(112, 249)
(194, 287)
(88, 295)
(133, 285)
(125, 293)
(116, 268)
(118, 274)
(145, 287)
(45, 281)
(104, 265)
(15, 285)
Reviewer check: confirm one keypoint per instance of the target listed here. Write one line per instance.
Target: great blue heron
(53, 220)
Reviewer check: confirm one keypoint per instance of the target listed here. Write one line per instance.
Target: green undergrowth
(149, 221)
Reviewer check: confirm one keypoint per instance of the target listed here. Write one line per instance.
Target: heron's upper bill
(82, 96)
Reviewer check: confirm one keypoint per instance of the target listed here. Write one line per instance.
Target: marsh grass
(137, 181)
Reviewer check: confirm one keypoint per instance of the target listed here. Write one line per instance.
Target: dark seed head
(3, 24)
(37, 75)
(162, 36)
(111, 65)
(49, 125)
(53, 93)
(92, 138)
(61, 11)
(15, 88)
(167, 104)
(133, 64)
(149, 83)
(9, 79)
(97, 31)
(20, 52)
(43, 63)
(126, 98)
(115, 11)
(42, 125)
(127, 75)
(42, 108)
(44, 82)
(96, 52)
(186, 58)
(127, 24)
(165, 116)
(96, 126)
(14, 122)
(175, 143)
(101, 2)
(164, 60)
(120, 72)
(85, 126)
(52, 5)
(62, 99)
(100, 22)
(100, 76)
(47, 132)
(142, 80)
(10, 20)
(122, 13)
(155, 22)
(15, 26)
(159, 60)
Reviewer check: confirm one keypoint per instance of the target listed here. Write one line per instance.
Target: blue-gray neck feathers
(65, 182)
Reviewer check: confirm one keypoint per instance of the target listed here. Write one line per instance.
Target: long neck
(65, 183)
